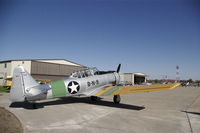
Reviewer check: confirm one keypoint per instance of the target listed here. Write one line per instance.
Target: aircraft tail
(21, 81)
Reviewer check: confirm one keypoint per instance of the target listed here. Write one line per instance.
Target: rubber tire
(116, 99)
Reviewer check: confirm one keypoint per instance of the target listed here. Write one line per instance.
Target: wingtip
(175, 85)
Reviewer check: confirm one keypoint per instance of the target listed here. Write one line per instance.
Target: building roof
(56, 61)
(137, 73)
(140, 74)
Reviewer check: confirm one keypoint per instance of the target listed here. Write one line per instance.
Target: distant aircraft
(185, 84)
(89, 82)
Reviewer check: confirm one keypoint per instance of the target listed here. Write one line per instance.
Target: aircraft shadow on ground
(73, 100)
(188, 112)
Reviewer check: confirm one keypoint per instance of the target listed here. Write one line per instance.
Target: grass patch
(3, 89)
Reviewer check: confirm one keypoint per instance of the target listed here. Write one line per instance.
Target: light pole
(177, 74)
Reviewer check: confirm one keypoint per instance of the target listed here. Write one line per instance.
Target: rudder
(21, 81)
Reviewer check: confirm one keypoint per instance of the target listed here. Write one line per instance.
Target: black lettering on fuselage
(92, 83)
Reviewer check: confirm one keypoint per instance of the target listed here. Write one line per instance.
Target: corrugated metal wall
(41, 70)
(128, 78)
(132, 79)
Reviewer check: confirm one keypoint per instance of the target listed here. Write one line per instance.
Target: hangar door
(139, 79)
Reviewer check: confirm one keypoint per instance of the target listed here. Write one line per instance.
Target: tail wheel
(116, 99)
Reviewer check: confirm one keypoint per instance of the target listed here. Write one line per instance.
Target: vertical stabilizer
(21, 81)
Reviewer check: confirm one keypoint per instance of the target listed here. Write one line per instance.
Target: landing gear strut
(116, 99)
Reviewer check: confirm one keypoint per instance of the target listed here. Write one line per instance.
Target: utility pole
(177, 74)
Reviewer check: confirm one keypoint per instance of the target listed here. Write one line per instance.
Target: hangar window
(5, 65)
(22, 62)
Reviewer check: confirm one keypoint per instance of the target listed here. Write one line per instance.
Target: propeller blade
(118, 68)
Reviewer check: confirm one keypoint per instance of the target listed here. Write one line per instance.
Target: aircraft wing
(96, 90)
(117, 90)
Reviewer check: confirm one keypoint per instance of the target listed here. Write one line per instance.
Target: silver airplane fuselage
(25, 88)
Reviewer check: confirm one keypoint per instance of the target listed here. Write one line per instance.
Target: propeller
(105, 72)
(118, 68)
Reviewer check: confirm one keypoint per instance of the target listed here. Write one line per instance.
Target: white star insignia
(73, 87)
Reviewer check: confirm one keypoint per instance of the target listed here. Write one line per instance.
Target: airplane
(89, 82)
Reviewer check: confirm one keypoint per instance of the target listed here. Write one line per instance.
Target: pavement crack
(188, 119)
(186, 112)
(190, 105)
(113, 129)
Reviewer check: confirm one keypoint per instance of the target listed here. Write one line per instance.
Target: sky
(148, 36)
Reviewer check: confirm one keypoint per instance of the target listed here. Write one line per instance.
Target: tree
(190, 80)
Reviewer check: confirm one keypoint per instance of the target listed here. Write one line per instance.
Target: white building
(132, 78)
(51, 69)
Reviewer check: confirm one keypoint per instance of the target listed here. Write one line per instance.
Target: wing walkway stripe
(111, 91)
(103, 91)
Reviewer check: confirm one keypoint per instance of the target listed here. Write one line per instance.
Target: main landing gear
(116, 99)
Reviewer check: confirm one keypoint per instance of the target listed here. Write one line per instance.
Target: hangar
(133, 78)
(42, 69)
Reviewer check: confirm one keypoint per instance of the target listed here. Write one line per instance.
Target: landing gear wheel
(94, 98)
(116, 99)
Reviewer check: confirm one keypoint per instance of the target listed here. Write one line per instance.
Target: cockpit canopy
(84, 73)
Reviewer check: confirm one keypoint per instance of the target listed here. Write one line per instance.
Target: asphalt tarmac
(175, 111)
